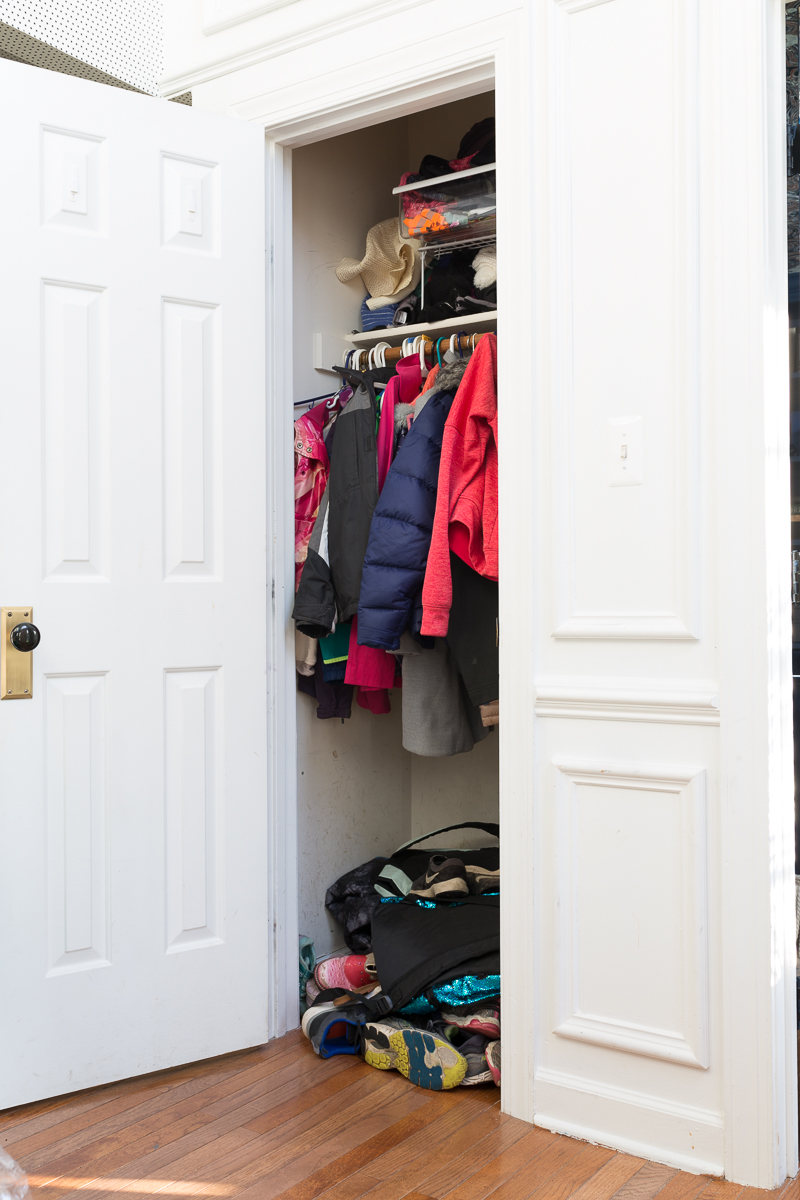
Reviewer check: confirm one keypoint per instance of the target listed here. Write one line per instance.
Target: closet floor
(276, 1122)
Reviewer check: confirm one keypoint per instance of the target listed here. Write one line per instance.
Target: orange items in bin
(427, 221)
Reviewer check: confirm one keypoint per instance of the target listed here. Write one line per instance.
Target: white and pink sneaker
(493, 1060)
(349, 971)
(485, 1021)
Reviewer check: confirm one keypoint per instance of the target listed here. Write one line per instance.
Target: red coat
(466, 502)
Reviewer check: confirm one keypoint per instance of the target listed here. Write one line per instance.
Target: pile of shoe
(445, 1051)
(353, 972)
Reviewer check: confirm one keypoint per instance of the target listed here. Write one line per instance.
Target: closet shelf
(475, 323)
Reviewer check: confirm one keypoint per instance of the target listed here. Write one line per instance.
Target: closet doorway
(361, 792)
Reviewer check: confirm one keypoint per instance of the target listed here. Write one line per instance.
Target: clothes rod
(465, 342)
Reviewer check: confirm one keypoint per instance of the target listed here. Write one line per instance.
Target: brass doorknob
(25, 637)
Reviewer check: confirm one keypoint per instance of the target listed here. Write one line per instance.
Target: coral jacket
(466, 502)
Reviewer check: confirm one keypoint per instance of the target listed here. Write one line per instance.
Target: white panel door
(664, 994)
(134, 929)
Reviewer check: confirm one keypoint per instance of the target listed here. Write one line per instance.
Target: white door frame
(523, 50)
(498, 57)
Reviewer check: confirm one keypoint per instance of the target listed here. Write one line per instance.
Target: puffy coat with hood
(400, 533)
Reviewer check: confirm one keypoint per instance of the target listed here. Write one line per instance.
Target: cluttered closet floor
(277, 1121)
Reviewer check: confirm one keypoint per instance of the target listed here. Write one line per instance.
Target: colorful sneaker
(493, 1059)
(333, 1029)
(424, 1058)
(348, 971)
(376, 1049)
(474, 1051)
(485, 1021)
(444, 879)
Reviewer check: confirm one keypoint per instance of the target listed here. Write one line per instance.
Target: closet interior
(361, 794)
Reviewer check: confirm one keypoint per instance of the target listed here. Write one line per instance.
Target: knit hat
(389, 263)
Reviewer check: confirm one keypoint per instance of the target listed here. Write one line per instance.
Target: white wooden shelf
(476, 323)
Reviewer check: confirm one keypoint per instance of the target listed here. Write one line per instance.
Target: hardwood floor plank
(501, 1168)
(366, 1153)
(350, 1141)
(163, 1159)
(537, 1172)
(610, 1178)
(578, 1171)
(721, 1189)
(646, 1183)
(453, 1111)
(508, 1132)
(413, 1176)
(116, 1123)
(684, 1186)
(43, 1113)
(312, 1133)
(76, 1130)
(113, 1151)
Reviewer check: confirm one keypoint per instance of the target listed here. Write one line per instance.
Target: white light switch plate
(625, 456)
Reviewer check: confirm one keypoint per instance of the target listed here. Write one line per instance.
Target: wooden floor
(279, 1122)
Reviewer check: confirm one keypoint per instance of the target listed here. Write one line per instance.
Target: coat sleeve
(315, 605)
(437, 590)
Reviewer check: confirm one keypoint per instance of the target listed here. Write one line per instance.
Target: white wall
(359, 792)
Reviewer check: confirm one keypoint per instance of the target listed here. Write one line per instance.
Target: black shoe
(445, 879)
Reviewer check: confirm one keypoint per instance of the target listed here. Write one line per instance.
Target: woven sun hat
(390, 266)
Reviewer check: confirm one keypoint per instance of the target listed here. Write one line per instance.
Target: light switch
(625, 458)
(74, 181)
(192, 206)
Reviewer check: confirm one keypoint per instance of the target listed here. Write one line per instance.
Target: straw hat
(389, 265)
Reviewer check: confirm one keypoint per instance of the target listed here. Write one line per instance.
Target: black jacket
(331, 579)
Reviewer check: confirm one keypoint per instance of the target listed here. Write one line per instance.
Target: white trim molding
(661, 701)
(688, 1044)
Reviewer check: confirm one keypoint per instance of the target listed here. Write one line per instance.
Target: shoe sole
(426, 1060)
(485, 1077)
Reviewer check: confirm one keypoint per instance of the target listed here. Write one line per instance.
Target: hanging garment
(331, 579)
(373, 671)
(466, 502)
(305, 652)
(402, 388)
(472, 632)
(400, 533)
(333, 699)
(438, 718)
(310, 477)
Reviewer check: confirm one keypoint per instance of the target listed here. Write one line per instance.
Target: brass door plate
(16, 666)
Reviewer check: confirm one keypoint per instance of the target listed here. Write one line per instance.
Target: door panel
(132, 486)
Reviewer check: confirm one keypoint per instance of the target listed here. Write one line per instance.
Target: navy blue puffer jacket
(402, 524)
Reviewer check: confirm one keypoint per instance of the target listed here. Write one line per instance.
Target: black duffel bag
(422, 945)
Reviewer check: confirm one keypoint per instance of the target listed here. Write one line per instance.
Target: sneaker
(493, 1059)
(334, 1029)
(482, 881)
(485, 1021)
(474, 1051)
(444, 879)
(376, 1049)
(312, 990)
(348, 971)
(424, 1058)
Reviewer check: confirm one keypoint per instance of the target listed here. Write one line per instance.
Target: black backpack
(420, 945)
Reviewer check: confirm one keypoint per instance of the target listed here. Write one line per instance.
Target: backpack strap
(487, 827)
